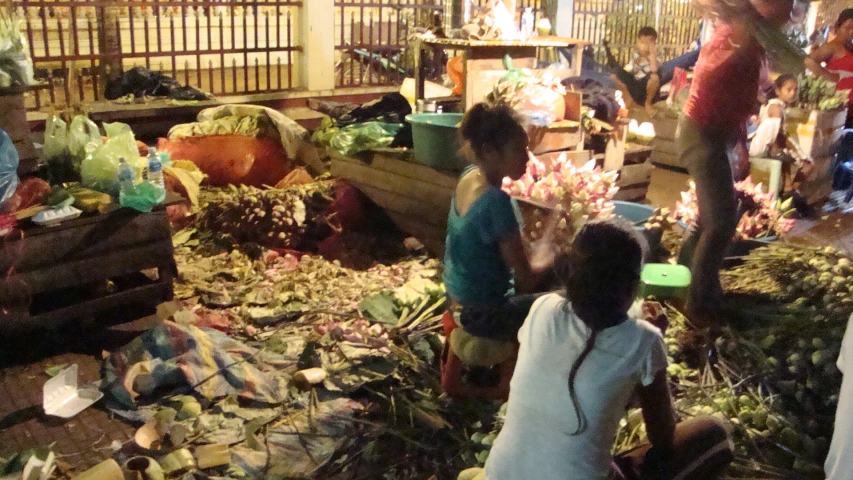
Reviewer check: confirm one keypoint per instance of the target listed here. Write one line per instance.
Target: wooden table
(62, 270)
(483, 63)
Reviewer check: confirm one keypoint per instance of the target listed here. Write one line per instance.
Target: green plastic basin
(436, 139)
(665, 281)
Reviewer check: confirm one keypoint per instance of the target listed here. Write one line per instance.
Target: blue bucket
(633, 212)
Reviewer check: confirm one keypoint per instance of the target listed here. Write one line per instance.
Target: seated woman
(487, 272)
(581, 358)
(834, 59)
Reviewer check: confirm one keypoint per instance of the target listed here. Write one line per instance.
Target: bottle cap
(152, 150)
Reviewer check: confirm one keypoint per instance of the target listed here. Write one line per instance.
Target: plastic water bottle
(125, 177)
(528, 22)
(155, 168)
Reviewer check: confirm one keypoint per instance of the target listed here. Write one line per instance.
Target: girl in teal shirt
(488, 275)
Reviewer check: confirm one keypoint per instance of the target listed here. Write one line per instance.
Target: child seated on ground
(771, 139)
(581, 359)
(488, 276)
(640, 81)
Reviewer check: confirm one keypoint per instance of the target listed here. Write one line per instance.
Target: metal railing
(372, 36)
(221, 48)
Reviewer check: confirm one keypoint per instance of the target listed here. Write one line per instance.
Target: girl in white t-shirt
(581, 359)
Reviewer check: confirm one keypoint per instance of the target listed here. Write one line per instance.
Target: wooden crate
(90, 251)
(416, 198)
(665, 147)
(817, 132)
(634, 181)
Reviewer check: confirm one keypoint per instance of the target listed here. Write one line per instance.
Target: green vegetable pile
(818, 93)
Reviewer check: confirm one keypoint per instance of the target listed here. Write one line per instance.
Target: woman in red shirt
(711, 130)
(837, 54)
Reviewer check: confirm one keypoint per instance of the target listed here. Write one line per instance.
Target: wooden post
(318, 43)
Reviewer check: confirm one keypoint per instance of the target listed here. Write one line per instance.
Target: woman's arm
(658, 412)
(816, 58)
(527, 277)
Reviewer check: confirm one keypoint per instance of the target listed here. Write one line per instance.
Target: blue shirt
(475, 273)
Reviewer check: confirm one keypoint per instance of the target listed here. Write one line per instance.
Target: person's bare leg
(652, 87)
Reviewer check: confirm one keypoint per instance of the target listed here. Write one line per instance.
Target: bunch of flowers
(583, 193)
(762, 215)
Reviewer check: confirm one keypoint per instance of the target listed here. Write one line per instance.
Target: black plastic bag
(140, 82)
(391, 108)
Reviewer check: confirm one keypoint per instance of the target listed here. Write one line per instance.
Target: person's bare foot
(651, 111)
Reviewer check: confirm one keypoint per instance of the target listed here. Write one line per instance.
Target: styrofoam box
(62, 398)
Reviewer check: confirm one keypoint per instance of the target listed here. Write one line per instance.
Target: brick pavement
(82, 441)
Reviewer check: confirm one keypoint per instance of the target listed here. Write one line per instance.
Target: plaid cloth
(172, 357)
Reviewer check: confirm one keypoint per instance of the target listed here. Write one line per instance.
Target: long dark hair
(846, 14)
(490, 127)
(599, 272)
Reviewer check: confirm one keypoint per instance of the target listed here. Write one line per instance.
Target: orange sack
(454, 71)
(231, 159)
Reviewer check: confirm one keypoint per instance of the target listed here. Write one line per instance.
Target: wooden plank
(405, 168)
(665, 145)
(633, 193)
(418, 229)
(634, 174)
(416, 171)
(408, 206)
(46, 247)
(148, 295)
(544, 140)
(431, 194)
(668, 159)
(104, 266)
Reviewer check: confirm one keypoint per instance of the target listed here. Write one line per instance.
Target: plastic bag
(81, 133)
(56, 152)
(33, 191)
(99, 171)
(144, 198)
(364, 136)
(8, 167)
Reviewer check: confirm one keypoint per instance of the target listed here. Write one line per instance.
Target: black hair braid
(581, 416)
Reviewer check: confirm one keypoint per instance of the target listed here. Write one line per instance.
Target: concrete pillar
(565, 18)
(318, 44)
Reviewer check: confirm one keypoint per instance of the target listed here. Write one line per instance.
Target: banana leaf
(786, 57)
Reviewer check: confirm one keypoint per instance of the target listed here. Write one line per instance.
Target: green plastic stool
(665, 281)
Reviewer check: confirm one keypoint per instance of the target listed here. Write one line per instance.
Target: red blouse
(725, 83)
